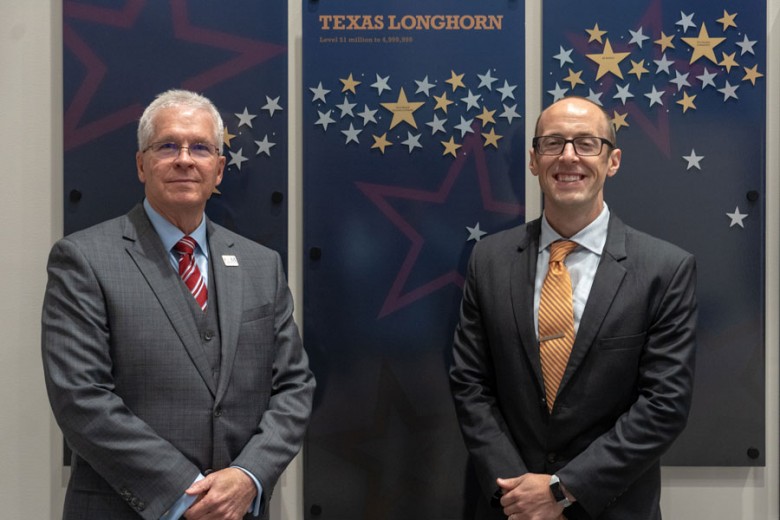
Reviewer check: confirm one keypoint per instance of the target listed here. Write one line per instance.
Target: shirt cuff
(182, 504)
(256, 506)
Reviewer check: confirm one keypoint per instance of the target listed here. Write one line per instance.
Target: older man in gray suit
(573, 374)
(172, 361)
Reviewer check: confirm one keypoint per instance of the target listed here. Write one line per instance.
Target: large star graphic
(243, 54)
(703, 45)
(399, 295)
(608, 61)
(403, 110)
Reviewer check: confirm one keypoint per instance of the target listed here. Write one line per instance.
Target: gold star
(665, 42)
(442, 102)
(728, 61)
(381, 142)
(727, 20)
(486, 117)
(491, 138)
(687, 102)
(226, 137)
(595, 34)
(450, 147)
(703, 45)
(403, 110)
(349, 84)
(619, 120)
(752, 75)
(574, 78)
(456, 80)
(638, 68)
(608, 61)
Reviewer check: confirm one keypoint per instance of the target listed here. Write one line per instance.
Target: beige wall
(31, 483)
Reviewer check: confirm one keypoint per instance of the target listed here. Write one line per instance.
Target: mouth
(568, 177)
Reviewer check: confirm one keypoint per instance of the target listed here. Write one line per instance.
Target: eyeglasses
(169, 150)
(585, 146)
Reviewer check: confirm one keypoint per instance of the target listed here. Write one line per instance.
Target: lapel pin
(230, 260)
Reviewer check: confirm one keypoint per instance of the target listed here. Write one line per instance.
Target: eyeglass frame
(535, 144)
(212, 149)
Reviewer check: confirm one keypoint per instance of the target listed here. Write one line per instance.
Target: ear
(532, 164)
(614, 161)
(139, 164)
(221, 171)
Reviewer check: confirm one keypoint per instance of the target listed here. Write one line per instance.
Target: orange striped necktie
(556, 320)
(189, 272)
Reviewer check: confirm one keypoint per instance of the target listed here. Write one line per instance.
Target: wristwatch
(557, 492)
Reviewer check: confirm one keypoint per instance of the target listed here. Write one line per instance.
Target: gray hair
(178, 98)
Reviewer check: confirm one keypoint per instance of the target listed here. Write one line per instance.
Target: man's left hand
(223, 495)
(528, 497)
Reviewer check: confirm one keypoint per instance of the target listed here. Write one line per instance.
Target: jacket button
(552, 457)
(208, 335)
(218, 412)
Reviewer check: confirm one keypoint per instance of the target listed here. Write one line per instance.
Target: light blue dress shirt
(170, 235)
(582, 263)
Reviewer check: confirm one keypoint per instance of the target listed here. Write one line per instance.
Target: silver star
(237, 158)
(319, 93)
(510, 113)
(737, 218)
(475, 233)
(729, 91)
(424, 86)
(623, 93)
(693, 160)
(681, 80)
(707, 78)
(563, 57)
(637, 37)
(380, 84)
(272, 105)
(245, 118)
(746, 45)
(655, 96)
(558, 92)
(346, 108)
(472, 101)
(325, 119)
(437, 125)
(507, 91)
(595, 97)
(367, 115)
(663, 64)
(264, 146)
(486, 80)
(686, 21)
(465, 126)
(412, 141)
(352, 134)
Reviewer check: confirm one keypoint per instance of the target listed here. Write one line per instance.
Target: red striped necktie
(189, 272)
(556, 320)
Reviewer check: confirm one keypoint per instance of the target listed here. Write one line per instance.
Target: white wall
(31, 483)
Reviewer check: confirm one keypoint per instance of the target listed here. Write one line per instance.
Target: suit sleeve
(473, 387)
(603, 471)
(145, 469)
(283, 424)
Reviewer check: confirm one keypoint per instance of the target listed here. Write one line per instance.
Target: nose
(181, 156)
(568, 151)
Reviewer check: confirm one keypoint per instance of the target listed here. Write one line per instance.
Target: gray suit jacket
(626, 391)
(130, 384)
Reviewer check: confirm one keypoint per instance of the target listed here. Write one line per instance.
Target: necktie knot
(560, 249)
(185, 246)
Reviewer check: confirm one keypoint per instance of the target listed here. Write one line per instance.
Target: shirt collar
(170, 234)
(592, 237)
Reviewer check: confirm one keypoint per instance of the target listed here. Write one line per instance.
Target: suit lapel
(148, 253)
(522, 277)
(226, 266)
(609, 276)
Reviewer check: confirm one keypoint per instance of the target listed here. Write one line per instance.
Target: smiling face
(573, 186)
(178, 187)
